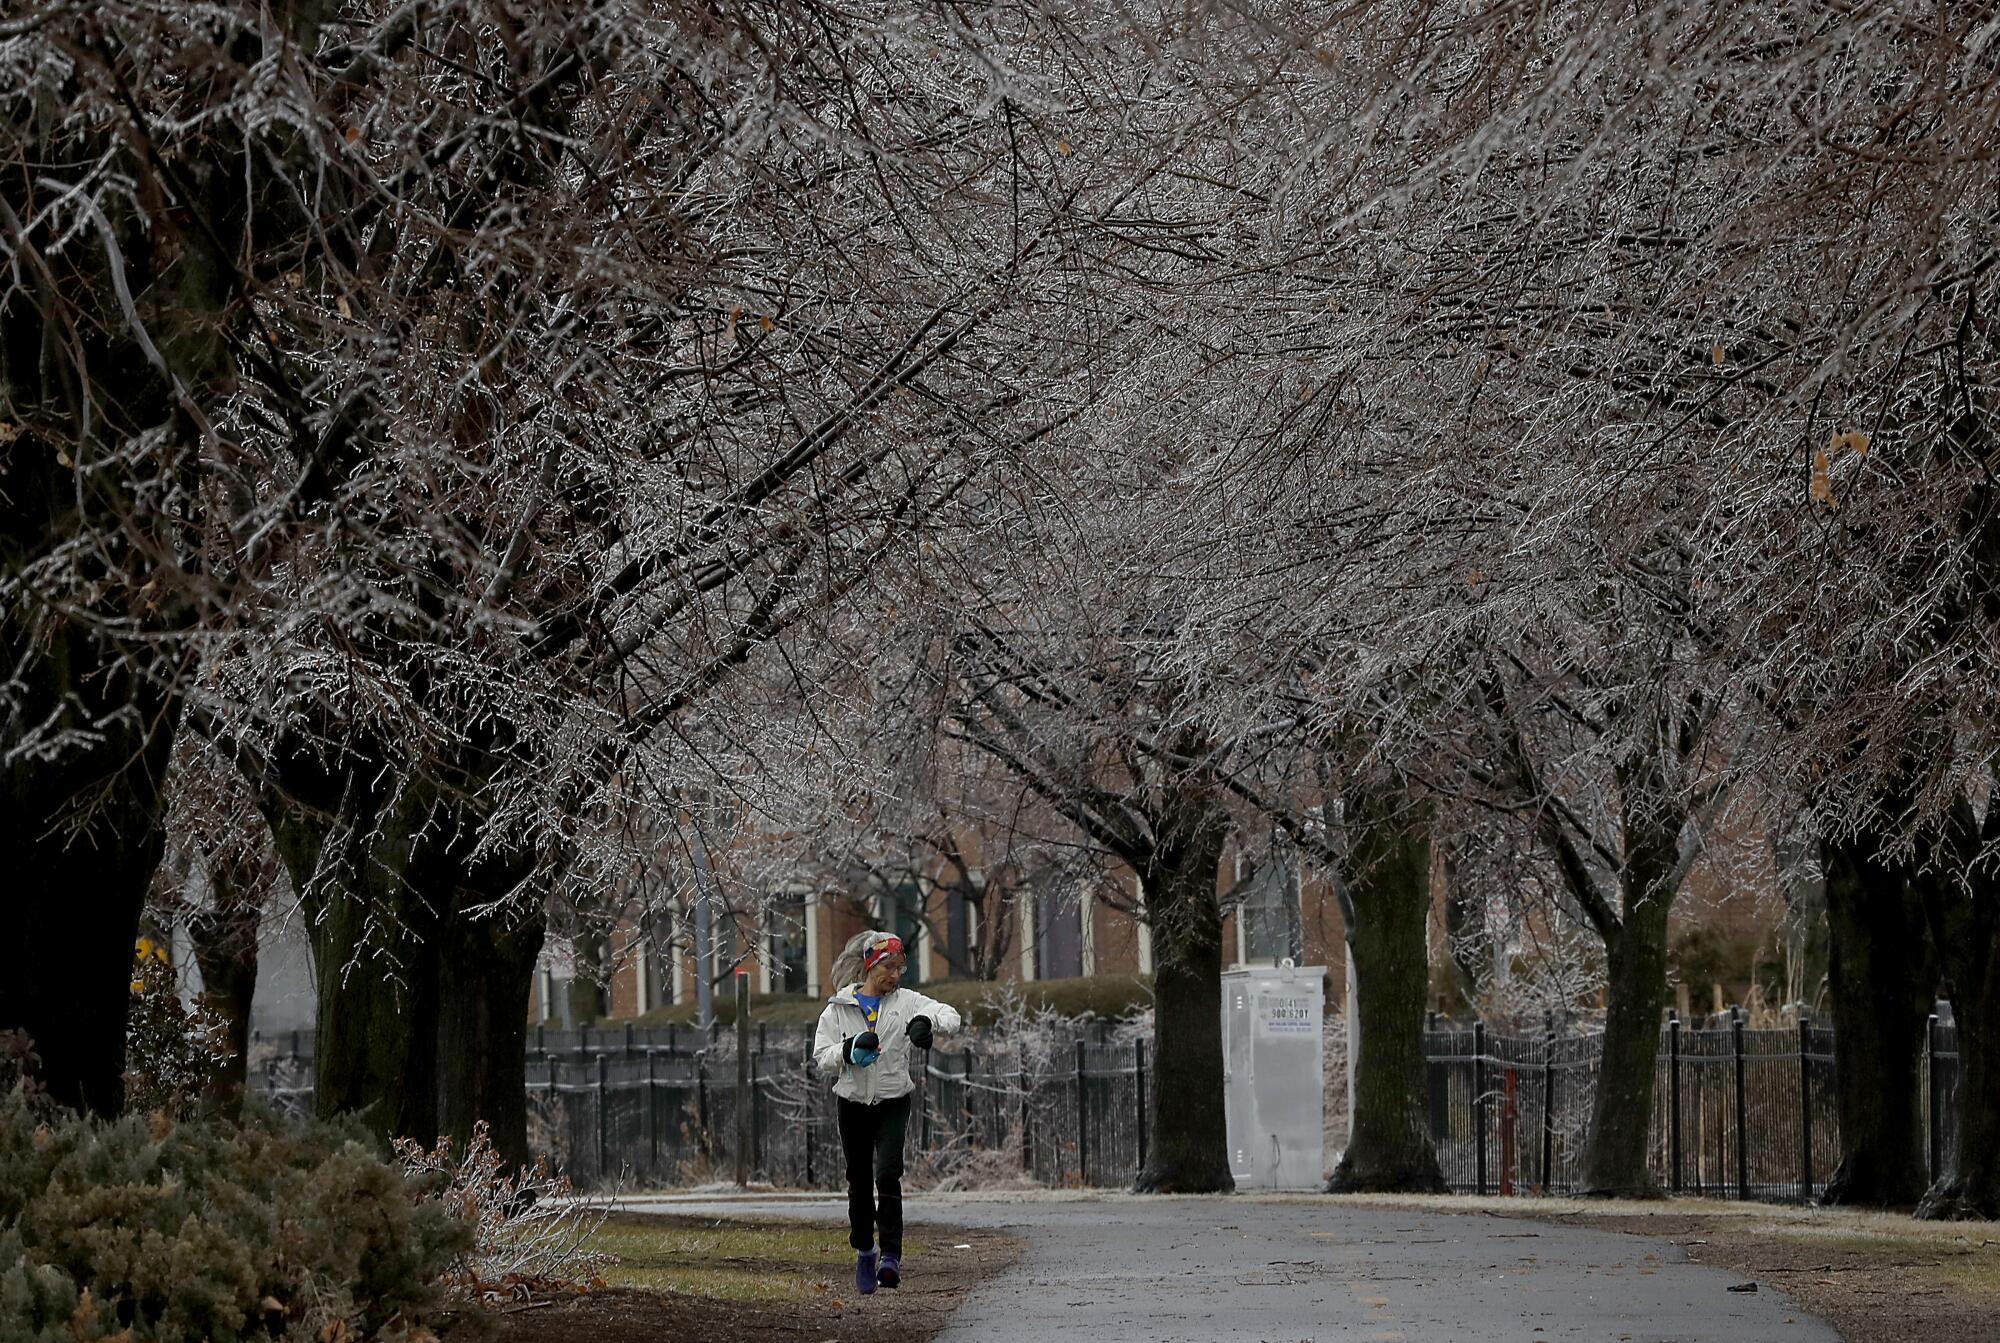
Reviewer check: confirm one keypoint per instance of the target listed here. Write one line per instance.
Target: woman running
(865, 1038)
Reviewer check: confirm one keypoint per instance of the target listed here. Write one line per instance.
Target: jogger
(866, 1037)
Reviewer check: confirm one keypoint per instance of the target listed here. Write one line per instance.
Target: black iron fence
(1060, 1106)
(1738, 1112)
(1060, 1117)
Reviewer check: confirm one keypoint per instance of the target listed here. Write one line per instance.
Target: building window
(903, 915)
(1059, 927)
(958, 931)
(664, 969)
(787, 916)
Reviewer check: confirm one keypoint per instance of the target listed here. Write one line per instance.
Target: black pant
(871, 1137)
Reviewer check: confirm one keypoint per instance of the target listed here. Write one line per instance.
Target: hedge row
(1101, 996)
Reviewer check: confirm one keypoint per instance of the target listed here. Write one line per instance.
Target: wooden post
(603, 1085)
(805, 1066)
(1027, 1119)
(743, 1098)
(1082, 1123)
(1805, 1109)
(1478, 1099)
(652, 1113)
(1548, 1101)
(1742, 1108)
(1674, 1097)
(1139, 1072)
(701, 1101)
(1935, 1128)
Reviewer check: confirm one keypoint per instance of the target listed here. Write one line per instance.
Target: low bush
(530, 1230)
(984, 1001)
(152, 1229)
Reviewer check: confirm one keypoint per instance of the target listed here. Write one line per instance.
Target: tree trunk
(1881, 976)
(368, 880)
(88, 715)
(1189, 1148)
(81, 890)
(1962, 897)
(1388, 887)
(485, 975)
(1621, 1112)
(225, 950)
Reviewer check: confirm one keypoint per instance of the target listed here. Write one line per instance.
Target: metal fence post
(1742, 1107)
(1805, 1109)
(1478, 1100)
(1139, 1074)
(1548, 1102)
(1935, 1128)
(1082, 1125)
(603, 1083)
(1674, 1098)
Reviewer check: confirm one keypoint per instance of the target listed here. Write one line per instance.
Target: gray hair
(847, 965)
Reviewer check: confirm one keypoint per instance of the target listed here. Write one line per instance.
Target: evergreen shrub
(153, 1229)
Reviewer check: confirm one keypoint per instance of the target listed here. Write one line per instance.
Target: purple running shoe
(891, 1272)
(864, 1273)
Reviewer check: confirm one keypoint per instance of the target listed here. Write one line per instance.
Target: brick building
(1060, 929)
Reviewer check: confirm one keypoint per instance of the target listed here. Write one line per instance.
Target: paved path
(1110, 1268)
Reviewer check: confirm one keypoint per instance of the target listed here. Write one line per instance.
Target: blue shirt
(871, 1007)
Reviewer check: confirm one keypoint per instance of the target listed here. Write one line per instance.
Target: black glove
(867, 1044)
(920, 1032)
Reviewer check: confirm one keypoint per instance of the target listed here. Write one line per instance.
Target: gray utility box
(1273, 1087)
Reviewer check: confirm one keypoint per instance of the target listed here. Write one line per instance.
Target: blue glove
(863, 1049)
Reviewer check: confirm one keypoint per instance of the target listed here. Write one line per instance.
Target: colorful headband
(881, 951)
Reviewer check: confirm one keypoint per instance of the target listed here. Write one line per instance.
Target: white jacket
(888, 1076)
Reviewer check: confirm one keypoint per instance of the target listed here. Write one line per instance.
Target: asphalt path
(1114, 1268)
